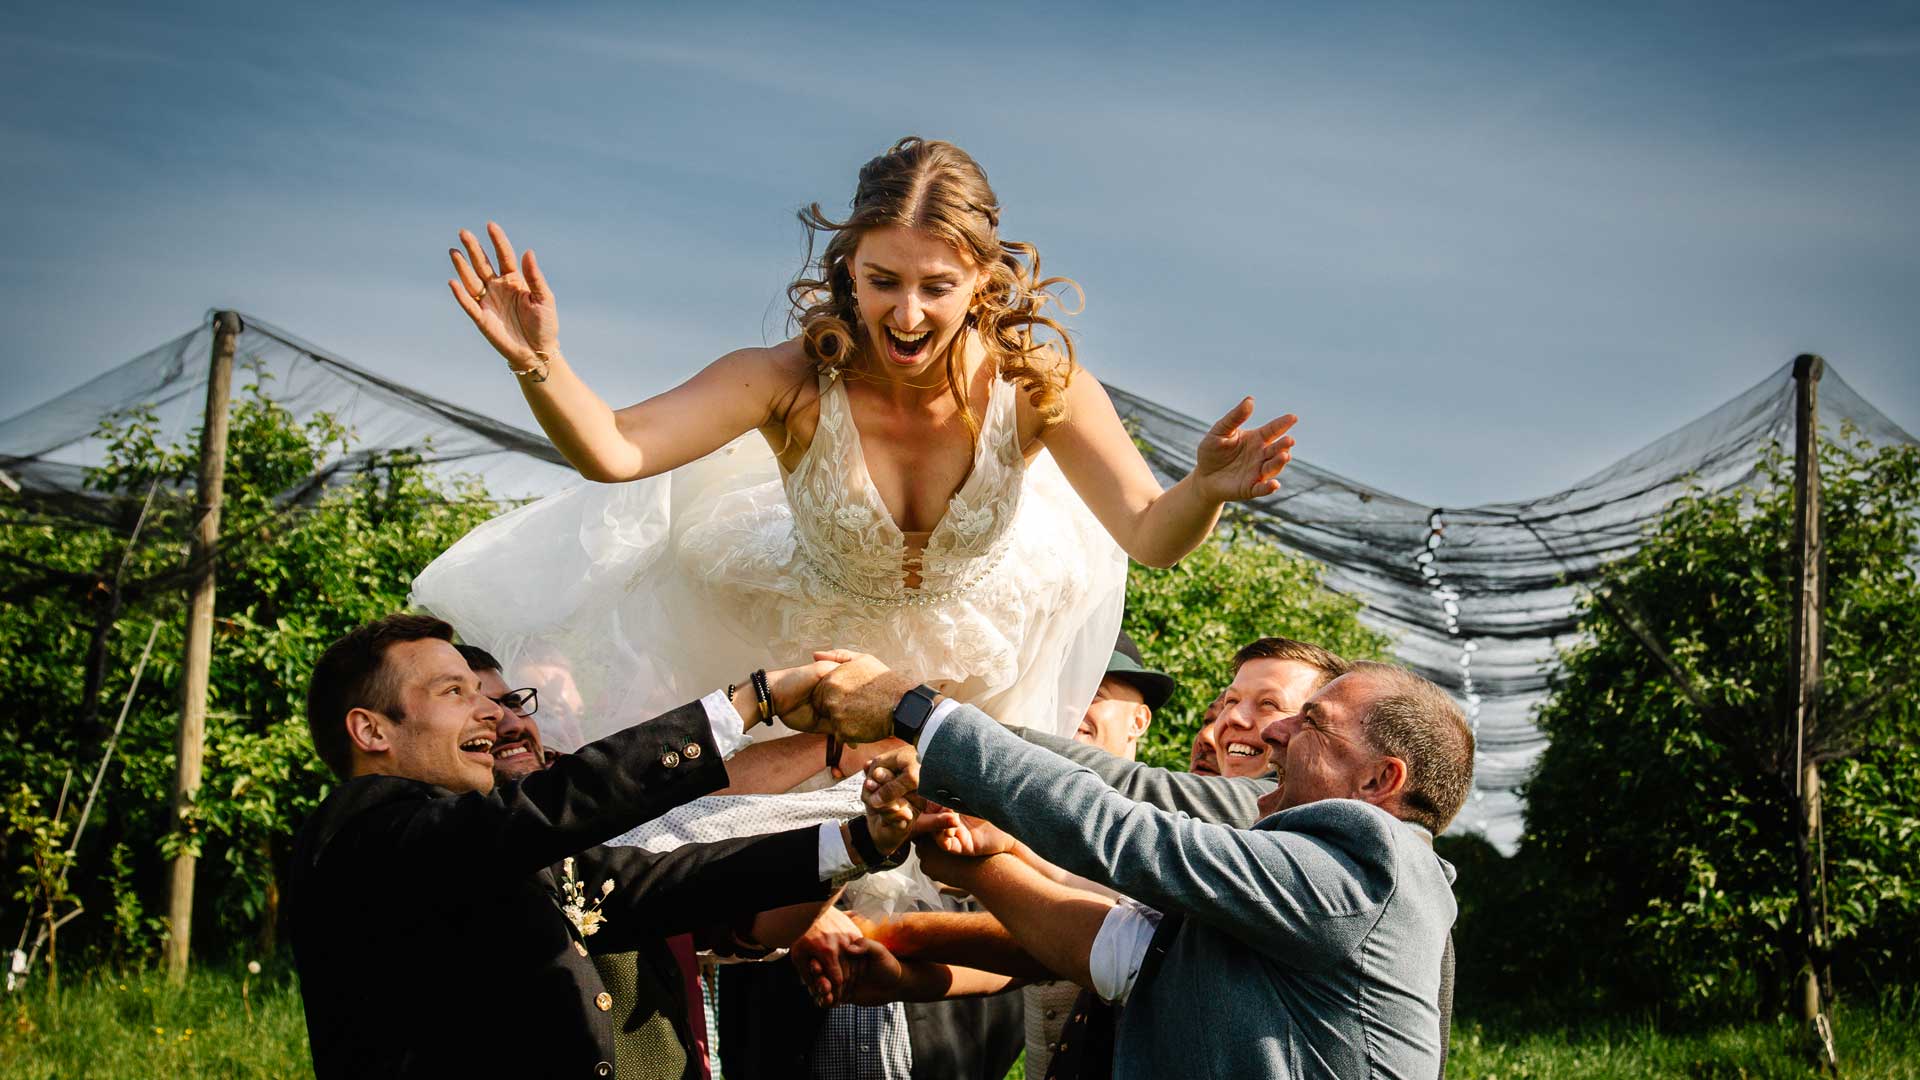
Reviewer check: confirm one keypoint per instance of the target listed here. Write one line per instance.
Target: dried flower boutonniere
(583, 912)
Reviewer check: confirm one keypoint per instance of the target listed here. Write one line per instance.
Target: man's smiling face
(1263, 690)
(1325, 748)
(443, 730)
(517, 750)
(1116, 719)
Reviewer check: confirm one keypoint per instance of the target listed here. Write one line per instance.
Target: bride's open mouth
(904, 348)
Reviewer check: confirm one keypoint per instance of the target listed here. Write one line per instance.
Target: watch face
(912, 711)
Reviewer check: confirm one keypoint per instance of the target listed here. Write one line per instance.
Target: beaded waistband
(907, 597)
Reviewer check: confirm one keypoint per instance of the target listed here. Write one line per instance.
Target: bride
(924, 473)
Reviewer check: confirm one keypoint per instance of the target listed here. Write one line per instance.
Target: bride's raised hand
(512, 305)
(1233, 464)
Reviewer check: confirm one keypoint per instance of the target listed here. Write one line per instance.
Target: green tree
(1658, 867)
(307, 553)
(1190, 619)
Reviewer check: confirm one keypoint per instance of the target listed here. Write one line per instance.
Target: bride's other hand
(1234, 464)
(511, 305)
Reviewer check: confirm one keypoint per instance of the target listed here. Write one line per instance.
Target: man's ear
(1386, 779)
(368, 731)
(1138, 723)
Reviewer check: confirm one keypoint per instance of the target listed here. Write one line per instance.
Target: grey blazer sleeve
(1304, 889)
(1227, 800)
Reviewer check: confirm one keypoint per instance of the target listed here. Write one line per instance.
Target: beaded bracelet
(765, 696)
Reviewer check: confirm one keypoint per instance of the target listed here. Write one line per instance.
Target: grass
(1874, 1041)
(133, 1025)
(110, 1026)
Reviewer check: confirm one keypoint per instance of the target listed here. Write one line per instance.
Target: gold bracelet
(536, 374)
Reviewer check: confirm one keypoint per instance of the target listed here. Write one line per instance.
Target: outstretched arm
(1155, 527)
(974, 938)
(779, 765)
(1053, 923)
(698, 885)
(878, 977)
(513, 307)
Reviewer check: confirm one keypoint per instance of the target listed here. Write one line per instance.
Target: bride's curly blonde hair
(936, 187)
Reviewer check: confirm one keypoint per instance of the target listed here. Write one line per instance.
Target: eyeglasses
(524, 701)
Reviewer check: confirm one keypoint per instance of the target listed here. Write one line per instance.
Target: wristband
(765, 695)
(863, 845)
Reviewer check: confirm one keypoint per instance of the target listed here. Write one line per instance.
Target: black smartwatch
(911, 714)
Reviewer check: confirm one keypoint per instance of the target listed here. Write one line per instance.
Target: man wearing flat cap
(1124, 705)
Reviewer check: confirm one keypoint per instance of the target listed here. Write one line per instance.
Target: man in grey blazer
(1321, 929)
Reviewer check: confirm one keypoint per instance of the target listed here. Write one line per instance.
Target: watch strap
(869, 851)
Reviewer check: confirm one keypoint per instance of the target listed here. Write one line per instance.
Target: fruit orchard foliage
(1189, 621)
(1657, 867)
(289, 581)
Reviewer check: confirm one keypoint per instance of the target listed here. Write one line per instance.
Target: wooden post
(1809, 555)
(188, 743)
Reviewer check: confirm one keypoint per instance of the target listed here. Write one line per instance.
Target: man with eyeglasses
(648, 997)
(517, 749)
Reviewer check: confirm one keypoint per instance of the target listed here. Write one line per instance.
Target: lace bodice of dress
(846, 535)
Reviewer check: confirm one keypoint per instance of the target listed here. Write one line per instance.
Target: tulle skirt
(620, 601)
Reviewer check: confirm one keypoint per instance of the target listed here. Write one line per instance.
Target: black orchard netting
(1481, 598)
(1477, 598)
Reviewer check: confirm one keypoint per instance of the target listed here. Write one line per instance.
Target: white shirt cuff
(729, 730)
(1120, 948)
(835, 860)
(934, 720)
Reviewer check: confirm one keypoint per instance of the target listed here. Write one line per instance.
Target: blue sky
(1483, 250)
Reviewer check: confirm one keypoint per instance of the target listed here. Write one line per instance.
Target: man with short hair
(1272, 678)
(403, 875)
(1322, 927)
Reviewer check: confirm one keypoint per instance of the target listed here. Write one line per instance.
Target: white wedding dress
(619, 602)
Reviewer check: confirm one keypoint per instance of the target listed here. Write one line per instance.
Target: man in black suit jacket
(405, 874)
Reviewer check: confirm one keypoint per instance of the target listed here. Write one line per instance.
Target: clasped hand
(853, 699)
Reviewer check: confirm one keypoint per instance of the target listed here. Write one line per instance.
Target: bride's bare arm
(514, 309)
(1154, 526)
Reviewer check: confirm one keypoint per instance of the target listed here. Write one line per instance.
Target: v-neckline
(866, 474)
